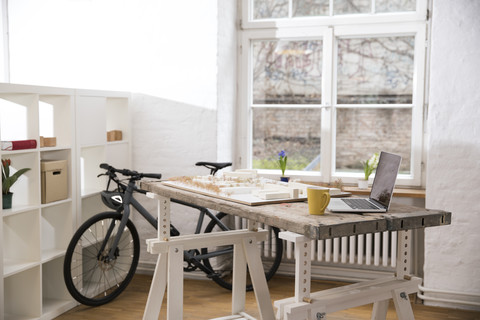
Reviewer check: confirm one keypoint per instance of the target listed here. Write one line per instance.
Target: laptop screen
(385, 177)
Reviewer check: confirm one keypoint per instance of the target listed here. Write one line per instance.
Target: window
(331, 82)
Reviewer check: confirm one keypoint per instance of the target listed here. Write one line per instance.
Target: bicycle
(103, 254)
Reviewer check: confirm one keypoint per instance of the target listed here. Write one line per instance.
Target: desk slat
(294, 216)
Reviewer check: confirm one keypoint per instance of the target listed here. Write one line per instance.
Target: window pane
(287, 72)
(362, 132)
(375, 70)
(295, 130)
(351, 6)
(305, 8)
(268, 9)
(395, 5)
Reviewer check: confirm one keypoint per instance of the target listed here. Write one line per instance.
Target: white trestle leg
(169, 268)
(306, 305)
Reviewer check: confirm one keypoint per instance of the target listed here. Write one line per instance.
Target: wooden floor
(203, 299)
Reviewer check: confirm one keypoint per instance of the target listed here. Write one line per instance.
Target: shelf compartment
(26, 191)
(90, 160)
(57, 230)
(56, 118)
(22, 298)
(21, 241)
(18, 116)
(55, 296)
(117, 115)
(116, 155)
(91, 206)
(18, 209)
(91, 120)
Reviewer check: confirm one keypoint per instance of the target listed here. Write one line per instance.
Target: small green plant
(7, 180)
(370, 165)
(282, 161)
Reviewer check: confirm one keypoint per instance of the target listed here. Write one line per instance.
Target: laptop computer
(382, 189)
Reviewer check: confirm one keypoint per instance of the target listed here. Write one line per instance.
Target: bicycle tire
(223, 270)
(90, 280)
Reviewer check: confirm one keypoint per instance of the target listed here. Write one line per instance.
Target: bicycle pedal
(213, 275)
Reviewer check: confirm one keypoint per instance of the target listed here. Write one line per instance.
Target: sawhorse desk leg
(169, 268)
(315, 306)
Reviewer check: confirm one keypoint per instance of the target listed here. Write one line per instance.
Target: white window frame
(248, 22)
(412, 23)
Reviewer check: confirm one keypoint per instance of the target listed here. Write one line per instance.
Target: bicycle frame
(103, 254)
(128, 200)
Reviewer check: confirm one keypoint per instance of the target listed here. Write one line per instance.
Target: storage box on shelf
(54, 180)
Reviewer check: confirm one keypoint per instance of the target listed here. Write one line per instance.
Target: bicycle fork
(114, 252)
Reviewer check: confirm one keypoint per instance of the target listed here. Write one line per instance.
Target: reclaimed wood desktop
(301, 228)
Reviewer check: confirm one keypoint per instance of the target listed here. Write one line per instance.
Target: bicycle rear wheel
(222, 264)
(91, 278)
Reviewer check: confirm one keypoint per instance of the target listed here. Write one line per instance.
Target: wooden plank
(352, 296)
(294, 216)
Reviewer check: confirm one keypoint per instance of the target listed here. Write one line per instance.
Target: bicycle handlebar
(130, 173)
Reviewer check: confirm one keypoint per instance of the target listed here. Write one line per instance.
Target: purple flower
(282, 161)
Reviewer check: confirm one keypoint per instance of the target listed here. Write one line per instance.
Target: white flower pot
(362, 184)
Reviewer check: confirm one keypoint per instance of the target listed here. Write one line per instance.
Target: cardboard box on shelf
(48, 142)
(114, 135)
(54, 180)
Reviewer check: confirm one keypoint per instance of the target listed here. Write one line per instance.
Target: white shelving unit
(34, 236)
(96, 113)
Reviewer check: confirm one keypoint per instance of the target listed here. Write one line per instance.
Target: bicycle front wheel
(220, 259)
(90, 276)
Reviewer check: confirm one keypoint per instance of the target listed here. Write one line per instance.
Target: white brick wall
(452, 257)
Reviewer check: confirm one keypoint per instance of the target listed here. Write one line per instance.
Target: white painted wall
(452, 255)
(170, 136)
(161, 48)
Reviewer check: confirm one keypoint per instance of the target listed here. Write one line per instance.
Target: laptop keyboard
(359, 204)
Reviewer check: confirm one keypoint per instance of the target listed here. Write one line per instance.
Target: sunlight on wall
(45, 111)
(13, 119)
(160, 48)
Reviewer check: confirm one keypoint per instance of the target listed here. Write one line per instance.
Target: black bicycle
(103, 254)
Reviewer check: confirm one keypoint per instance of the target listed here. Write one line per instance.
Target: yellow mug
(318, 199)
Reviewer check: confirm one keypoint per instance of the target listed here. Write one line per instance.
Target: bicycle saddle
(213, 166)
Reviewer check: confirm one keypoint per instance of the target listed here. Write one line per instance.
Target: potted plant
(282, 163)
(368, 167)
(8, 181)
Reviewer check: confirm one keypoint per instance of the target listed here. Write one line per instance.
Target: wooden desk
(302, 227)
